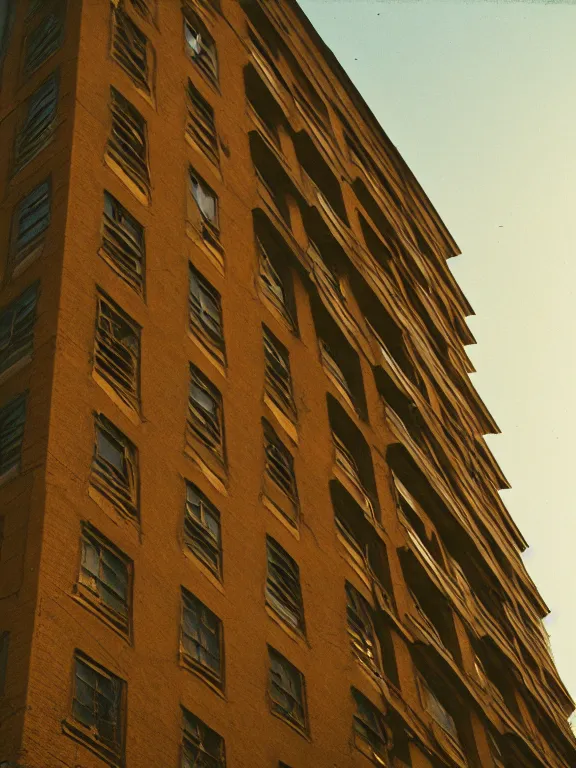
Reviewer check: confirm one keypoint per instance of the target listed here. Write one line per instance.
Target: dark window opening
(497, 670)
(305, 93)
(271, 176)
(361, 628)
(115, 467)
(17, 323)
(340, 361)
(205, 413)
(436, 708)
(283, 590)
(117, 351)
(98, 703)
(265, 29)
(329, 262)
(12, 422)
(39, 124)
(277, 375)
(132, 49)
(201, 124)
(353, 457)
(279, 466)
(202, 529)
(201, 746)
(268, 113)
(370, 733)
(105, 576)
(200, 46)
(30, 220)
(287, 692)
(321, 174)
(123, 245)
(275, 270)
(205, 311)
(128, 143)
(44, 40)
(202, 639)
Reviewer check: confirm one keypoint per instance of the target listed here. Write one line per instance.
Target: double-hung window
(17, 329)
(132, 50)
(39, 124)
(283, 590)
(205, 312)
(128, 142)
(278, 378)
(202, 529)
(280, 467)
(201, 124)
(202, 747)
(370, 733)
(115, 468)
(287, 690)
(205, 416)
(202, 639)
(123, 244)
(276, 287)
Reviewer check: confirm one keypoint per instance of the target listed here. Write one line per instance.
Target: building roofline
(373, 122)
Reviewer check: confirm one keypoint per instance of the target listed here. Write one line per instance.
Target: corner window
(202, 529)
(104, 578)
(97, 708)
(30, 220)
(39, 124)
(205, 313)
(17, 329)
(128, 143)
(287, 692)
(115, 468)
(117, 351)
(278, 379)
(132, 50)
(370, 735)
(123, 245)
(283, 590)
(44, 40)
(205, 413)
(201, 124)
(12, 421)
(202, 639)
(201, 746)
(200, 47)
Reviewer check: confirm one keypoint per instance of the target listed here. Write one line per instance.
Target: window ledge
(110, 508)
(139, 194)
(86, 600)
(296, 635)
(88, 739)
(295, 727)
(281, 516)
(215, 255)
(210, 575)
(217, 479)
(282, 418)
(187, 663)
(212, 353)
(129, 411)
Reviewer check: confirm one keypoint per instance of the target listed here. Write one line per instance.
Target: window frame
(15, 410)
(360, 726)
(288, 674)
(193, 523)
(269, 277)
(58, 15)
(210, 226)
(204, 617)
(128, 45)
(283, 586)
(277, 361)
(11, 360)
(123, 244)
(123, 493)
(128, 129)
(40, 132)
(198, 739)
(212, 436)
(208, 65)
(205, 296)
(361, 629)
(20, 248)
(272, 441)
(201, 124)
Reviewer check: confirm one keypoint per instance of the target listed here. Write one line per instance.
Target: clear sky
(480, 99)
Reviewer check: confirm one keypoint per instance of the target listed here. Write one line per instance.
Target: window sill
(212, 353)
(215, 474)
(214, 164)
(214, 255)
(129, 411)
(187, 663)
(295, 727)
(84, 598)
(210, 575)
(282, 418)
(85, 737)
(212, 82)
(139, 194)
(281, 516)
(276, 310)
(296, 635)
(112, 509)
(353, 560)
(15, 367)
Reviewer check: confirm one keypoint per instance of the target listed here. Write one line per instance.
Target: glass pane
(110, 452)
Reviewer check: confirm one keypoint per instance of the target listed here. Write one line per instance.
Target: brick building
(247, 514)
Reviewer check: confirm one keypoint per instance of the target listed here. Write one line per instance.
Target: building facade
(247, 514)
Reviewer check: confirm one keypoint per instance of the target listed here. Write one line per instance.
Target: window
(205, 313)
(39, 124)
(128, 143)
(202, 529)
(205, 417)
(117, 351)
(287, 690)
(104, 578)
(31, 219)
(278, 380)
(276, 285)
(201, 125)
(202, 638)
(4, 643)
(12, 421)
(370, 733)
(283, 591)
(97, 706)
(144, 7)
(361, 627)
(207, 203)
(44, 40)
(17, 329)
(132, 49)
(201, 47)
(280, 466)
(115, 468)
(202, 747)
(433, 706)
(123, 245)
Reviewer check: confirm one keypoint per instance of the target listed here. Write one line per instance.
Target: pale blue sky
(480, 99)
